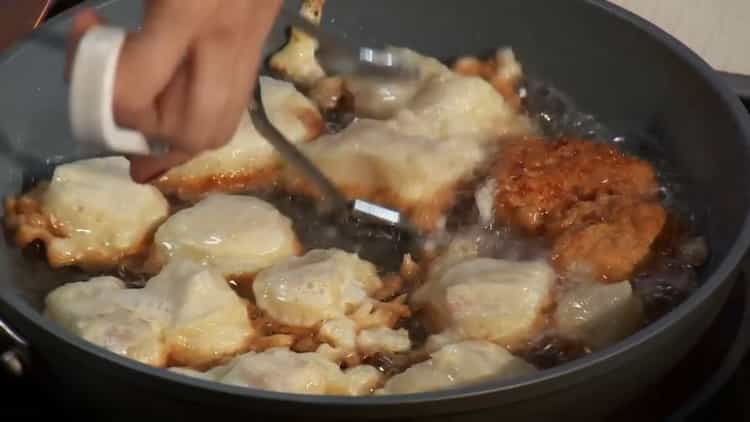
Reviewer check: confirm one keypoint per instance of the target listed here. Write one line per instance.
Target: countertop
(719, 31)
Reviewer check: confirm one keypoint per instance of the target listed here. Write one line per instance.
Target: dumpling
(248, 160)
(186, 315)
(208, 319)
(598, 314)
(371, 160)
(284, 371)
(91, 214)
(89, 309)
(456, 365)
(321, 285)
(463, 107)
(382, 98)
(502, 70)
(238, 235)
(296, 61)
(490, 299)
(292, 113)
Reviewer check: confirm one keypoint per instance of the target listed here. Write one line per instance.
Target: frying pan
(628, 73)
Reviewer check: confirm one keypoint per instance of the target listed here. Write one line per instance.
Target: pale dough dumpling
(186, 315)
(457, 365)
(208, 319)
(382, 98)
(490, 299)
(284, 371)
(248, 160)
(598, 314)
(465, 107)
(89, 309)
(91, 215)
(370, 159)
(239, 235)
(292, 113)
(321, 285)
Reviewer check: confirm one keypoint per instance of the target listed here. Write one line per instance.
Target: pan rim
(722, 274)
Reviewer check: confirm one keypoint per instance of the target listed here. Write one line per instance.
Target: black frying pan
(632, 76)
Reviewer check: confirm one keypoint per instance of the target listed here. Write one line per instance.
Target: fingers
(259, 19)
(254, 18)
(187, 76)
(146, 168)
(150, 58)
(215, 65)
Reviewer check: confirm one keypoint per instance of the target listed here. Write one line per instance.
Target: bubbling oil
(662, 283)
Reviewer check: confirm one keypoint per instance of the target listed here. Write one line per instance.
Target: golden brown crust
(271, 333)
(194, 188)
(312, 10)
(380, 314)
(182, 355)
(611, 246)
(312, 120)
(489, 70)
(538, 181)
(597, 205)
(25, 217)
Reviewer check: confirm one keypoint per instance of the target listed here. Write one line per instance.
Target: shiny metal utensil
(338, 55)
(333, 201)
(359, 217)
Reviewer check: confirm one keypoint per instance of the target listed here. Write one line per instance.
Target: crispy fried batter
(273, 334)
(538, 181)
(502, 71)
(597, 204)
(611, 248)
(26, 219)
(194, 188)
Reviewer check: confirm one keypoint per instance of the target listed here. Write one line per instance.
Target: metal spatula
(338, 55)
(359, 218)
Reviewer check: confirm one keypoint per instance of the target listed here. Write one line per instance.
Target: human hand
(187, 76)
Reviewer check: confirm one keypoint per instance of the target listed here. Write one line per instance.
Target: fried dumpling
(598, 314)
(381, 98)
(238, 235)
(321, 285)
(456, 365)
(248, 160)
(186, 315)
(91, 214)
(371, 160)
(282, 370)
(491, 299)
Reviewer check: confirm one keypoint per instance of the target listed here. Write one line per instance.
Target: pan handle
(14, 350)
(740, 84)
